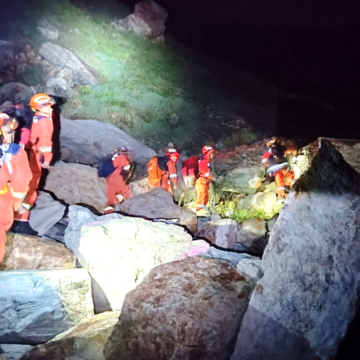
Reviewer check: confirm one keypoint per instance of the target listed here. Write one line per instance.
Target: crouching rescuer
(117, 171)
(162, 170)
(15, 175)
(277, 166)
(205, 176)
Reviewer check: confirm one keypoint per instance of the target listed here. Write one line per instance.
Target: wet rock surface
(179, 313)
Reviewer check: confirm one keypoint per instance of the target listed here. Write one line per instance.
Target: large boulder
(59, 56)
(243, 180)
(158, 204)
(15, 92)
(188, 309)
(120, 252)
(309, 292)
(85, 341)
(89, 141)
(30, 252)
(36, 305)
(46, 213)
(252, 235)
(77, 184)
(147, 20)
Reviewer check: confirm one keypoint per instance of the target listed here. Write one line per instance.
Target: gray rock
(77, 184)
(232, 257)
(14, 351)
(6, 57)
(59, 56)
(47, 29)
(305, 301)
(85, 341)
(250, 266)
(89, 141)
(147, 20)
(127, 246)
(252, 235)
(201, 221)
(46, 213)
(36, 305)
(188, 309)
(243, 180)
(15, 92)
(221, 232)
(158, 204)
(59, 87)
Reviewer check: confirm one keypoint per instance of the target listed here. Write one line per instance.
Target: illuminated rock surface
(59, 56)
(252, 235)
(158, 204)
(77, 184)
(30, 252)
(85, 341)
(36, 305)
(188, 309)
(13, 352)
(303, 304)
(119, 253)
(89, 141)
(263, 203)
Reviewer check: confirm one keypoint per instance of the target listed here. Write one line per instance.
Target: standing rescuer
(39, 148)
(15, 175)
(117, 187)
(205, 176)
(162, 170)
(274, 159)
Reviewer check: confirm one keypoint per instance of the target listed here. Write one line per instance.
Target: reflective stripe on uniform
(18, 195)
(207, 174)
(200, 206)
(173, 176)
(127, 167)
(4, 190)
(264, 160)
(26, 206)
(45, 149)
(109, 208)
(278, 167)
(281, 188)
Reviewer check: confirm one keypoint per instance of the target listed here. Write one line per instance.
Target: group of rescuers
(26, 133)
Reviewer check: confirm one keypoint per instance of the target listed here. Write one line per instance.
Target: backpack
(190, 170)
(154, 168)
(105, 167)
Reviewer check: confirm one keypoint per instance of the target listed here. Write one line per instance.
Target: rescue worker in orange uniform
(40, 147)
(15, 175)
(162, 170)
(117, 188)
(205, 176)
(274, 159)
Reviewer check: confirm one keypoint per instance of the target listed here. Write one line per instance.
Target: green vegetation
(242, 137)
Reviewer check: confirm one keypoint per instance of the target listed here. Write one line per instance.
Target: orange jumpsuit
(40, 150)
(283, 176)
(203, 182)
(169, 176)
(116, 184)
(15, 175)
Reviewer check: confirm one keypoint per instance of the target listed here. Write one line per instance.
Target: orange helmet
(172, 154)
(5, 119)
(271, 142)
(37, 101)
(208, 148)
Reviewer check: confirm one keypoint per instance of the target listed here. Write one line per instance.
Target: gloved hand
(20, 210)
(175, 187)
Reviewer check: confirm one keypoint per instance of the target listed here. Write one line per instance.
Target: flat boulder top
(89, 141)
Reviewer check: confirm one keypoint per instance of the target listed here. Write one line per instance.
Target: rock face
(119, 253)
(309, 292)
(188, 309)
(37, 305)
(243, 180)
(221, 232)
(46, 213)
(59, 56)
(29, 252)
(89, 141)
(158, 204)
(85, 341)
(15, 92)
(250, 266)
(77, 184)
(13, 351)
(252, 235)
(263, 203)
(47, 29)
(147, 20)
